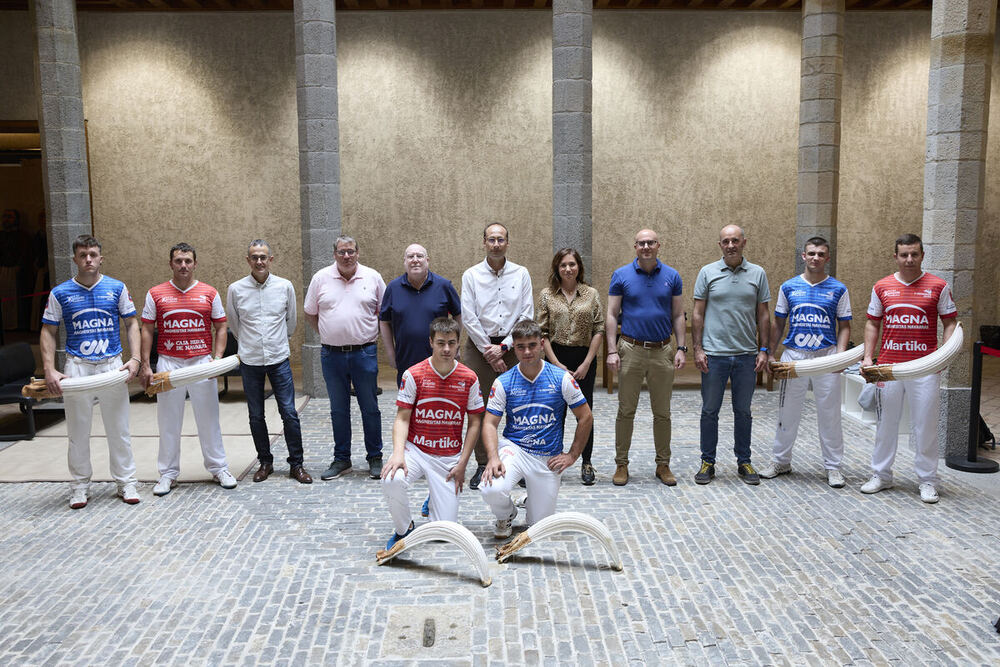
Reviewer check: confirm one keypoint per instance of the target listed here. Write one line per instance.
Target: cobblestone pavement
(789, 572)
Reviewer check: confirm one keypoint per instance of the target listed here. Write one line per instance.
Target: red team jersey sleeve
(909, 315)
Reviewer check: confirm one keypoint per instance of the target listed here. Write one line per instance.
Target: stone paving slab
(789, 572)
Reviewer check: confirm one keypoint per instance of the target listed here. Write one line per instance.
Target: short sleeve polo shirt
(647, 300)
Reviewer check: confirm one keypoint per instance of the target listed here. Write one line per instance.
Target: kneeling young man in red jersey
(434, 397)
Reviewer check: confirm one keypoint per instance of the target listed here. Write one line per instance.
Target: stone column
(319, 155)
(954, 173)
(60, 121)
(819, 124)
(572, 138)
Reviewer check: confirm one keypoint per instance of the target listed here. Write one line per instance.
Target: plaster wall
(445, 124)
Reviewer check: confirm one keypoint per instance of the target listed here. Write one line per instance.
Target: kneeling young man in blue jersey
(818, 311)
(91, 305)
(533, 395)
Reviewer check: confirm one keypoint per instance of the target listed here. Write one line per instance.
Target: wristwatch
(503, 347)
(682, 348)
(764, 349)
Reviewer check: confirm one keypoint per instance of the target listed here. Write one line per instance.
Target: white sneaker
(78, 499)
(504, 527)
(164, 486)
(226, 480)
(129, 494)
(835, 478)
(875, 484)
(928, 493)
(774, 469)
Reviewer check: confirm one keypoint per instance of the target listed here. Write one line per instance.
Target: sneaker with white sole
(835, 479)
(928, 493)
(78, 499)
(225, 479)
(875, 484)
(129, 494)
(164, 486)
(773, 469)
(425, 509)
(504, 527)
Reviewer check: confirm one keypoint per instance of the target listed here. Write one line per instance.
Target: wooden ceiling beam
(632, 4)
(694, 3)
(788, 4)
(160, 4)
(725, 4)
(541, 4)
(382, 4)
(756, 4)
(193, 4)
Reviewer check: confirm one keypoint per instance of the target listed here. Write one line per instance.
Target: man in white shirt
(496, 294)
(261, 312)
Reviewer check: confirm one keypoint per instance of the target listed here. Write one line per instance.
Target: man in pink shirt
(342, 304)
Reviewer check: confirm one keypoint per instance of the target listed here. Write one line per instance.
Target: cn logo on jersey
(94, 347)
(807, 340)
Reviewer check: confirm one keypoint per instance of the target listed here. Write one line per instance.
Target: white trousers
(827, 390)
(923, 396)
(170, 417)
(444, 500)
(114, 413)
(542, 484)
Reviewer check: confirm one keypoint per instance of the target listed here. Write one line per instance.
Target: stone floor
(789, 572)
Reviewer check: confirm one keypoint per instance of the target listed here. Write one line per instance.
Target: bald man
(410, 304)
(730, 331)
(645, 297)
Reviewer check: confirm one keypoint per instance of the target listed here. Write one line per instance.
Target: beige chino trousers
(656, 367)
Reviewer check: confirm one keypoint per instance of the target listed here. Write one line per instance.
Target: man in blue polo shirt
(410, 303)
(730, 330)
(533, 397)
(92, 306)
(645, 296)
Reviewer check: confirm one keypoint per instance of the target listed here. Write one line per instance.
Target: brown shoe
(300, 475)
(664, 475)
(621, 476)
(263, 472)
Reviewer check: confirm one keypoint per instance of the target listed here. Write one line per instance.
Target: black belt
(346, 348)
(496, 340)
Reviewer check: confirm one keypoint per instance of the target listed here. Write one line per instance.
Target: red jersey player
(906, 306)
(434, 397)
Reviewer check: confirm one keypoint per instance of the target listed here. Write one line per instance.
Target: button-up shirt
(262, 316)
(570, 323)
(494, 301)
(347, 309)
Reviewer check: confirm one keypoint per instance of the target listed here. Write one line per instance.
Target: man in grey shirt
(730, 328)
(261, 311)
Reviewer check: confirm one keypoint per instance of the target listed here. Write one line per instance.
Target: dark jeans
(280, 375)
(340, 371)
(571, 358)
(739, 370)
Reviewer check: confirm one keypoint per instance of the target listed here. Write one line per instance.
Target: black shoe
(375, 467)
(587, 476)
(749, 475)
(336, 469)
(707, 472)
(474, 482)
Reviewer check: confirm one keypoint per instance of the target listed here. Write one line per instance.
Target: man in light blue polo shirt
(645, 296)
(730, 331)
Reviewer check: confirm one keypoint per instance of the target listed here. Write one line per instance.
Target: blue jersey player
(817, 309)
(533, 396)
(91, 306)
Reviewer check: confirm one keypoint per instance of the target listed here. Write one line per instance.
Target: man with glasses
(645, 296)
(411, 302)
(261, 312)
(342, 304)
(496, 294)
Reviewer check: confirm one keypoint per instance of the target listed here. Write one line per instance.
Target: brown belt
(651, 344)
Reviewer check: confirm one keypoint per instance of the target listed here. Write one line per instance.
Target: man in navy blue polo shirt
(410, 304)
(645, 296)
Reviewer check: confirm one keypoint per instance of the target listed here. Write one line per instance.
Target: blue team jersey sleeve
(571, 391)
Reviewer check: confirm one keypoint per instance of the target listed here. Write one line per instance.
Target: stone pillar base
(953, 424)
(312, 371)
